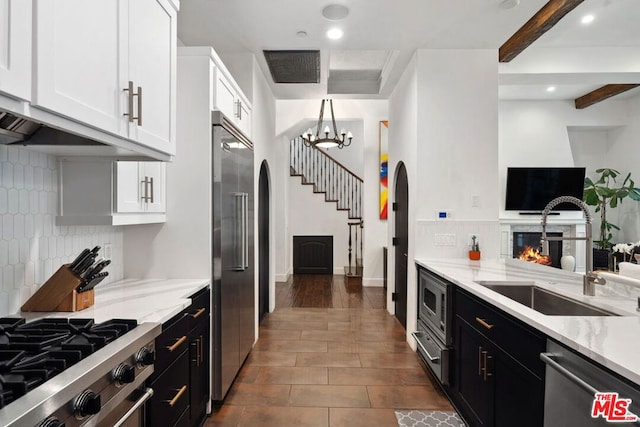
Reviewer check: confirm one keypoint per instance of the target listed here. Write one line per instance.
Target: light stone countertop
(147, 300)
(609, 340)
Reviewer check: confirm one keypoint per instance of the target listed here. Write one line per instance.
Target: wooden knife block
(59, 294)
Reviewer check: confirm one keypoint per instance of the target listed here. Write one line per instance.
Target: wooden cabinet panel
(171, 394)
(498, 378)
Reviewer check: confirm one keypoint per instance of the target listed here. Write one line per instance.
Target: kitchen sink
(542, 300)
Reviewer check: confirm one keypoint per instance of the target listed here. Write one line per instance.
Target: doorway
(400, 242)
(263, 241)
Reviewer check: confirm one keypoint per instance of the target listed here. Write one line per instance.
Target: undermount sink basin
(542, 300)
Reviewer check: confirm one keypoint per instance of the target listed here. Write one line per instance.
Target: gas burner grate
(34, 352)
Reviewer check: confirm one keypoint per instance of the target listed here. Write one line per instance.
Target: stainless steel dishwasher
(571, 384)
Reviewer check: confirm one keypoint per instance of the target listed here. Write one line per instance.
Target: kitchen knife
(96, 268)
(82, 260)
(90, 284)
(79, 258)
(85, 264)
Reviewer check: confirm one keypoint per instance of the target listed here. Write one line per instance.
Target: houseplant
(603, 193)
(474, 252)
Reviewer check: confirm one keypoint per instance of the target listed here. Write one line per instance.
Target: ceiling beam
(540, 23)
(600, 94)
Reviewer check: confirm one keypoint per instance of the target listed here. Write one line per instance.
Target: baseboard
(282, 277)
(373, 282)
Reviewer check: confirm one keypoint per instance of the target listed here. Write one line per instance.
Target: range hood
(18, 130)
(15, 129)
(58, 136)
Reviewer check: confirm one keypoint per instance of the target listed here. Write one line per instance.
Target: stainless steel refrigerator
(233, 300)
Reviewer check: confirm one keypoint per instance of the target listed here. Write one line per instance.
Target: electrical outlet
(107, 250)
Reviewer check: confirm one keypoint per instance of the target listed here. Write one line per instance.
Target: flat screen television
(531, 189)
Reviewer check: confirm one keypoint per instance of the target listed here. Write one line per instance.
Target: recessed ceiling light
(551, 89)
(301, 34)
(587, 19)
(335, 33)
(335, 12)
(508, 4)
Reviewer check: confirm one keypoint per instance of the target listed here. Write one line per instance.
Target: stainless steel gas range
(73, 372)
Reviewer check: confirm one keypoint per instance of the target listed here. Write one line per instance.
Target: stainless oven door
(432, 303)
(434, 354)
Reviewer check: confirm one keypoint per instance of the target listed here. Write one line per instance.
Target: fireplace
(526, 239)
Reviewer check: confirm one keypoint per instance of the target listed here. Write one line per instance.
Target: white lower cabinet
(111, 192)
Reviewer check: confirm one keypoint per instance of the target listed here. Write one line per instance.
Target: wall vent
(293, 66)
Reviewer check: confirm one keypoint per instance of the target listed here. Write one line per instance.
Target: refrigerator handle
(245, 238)
(239, 232)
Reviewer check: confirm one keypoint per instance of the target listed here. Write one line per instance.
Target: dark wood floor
(329, 355)
(326, 291)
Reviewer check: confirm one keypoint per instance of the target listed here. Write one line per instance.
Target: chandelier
(337, 140)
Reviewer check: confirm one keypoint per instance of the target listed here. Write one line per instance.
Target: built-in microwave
(433, 336)
(434, 304)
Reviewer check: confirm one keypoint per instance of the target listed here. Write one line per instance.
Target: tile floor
(342, 362)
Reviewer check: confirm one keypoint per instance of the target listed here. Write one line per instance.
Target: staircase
(339, 185)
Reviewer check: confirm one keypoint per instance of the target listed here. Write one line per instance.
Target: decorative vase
(568, 262)
(474, 255)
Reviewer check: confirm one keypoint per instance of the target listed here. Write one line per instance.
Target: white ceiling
(575, 58)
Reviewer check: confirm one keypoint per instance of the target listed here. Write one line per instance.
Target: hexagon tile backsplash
(32, 247)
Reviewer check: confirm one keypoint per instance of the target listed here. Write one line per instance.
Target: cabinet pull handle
(177, 343)
(146, 189)
(139, 106)
(151, 183)
(485, 356)
(199, 312)
(239, 110)
(480, 361)
(484, 323)
(178, 395)
(201, 349)
(129, 101)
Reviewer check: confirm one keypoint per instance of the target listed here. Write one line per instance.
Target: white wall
(293, 116)
(555, 133)
(445, 125)
(32, 247)
(403, 138)
(265, 149)
(312, 216)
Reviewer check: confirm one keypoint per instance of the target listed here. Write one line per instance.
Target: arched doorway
(401, 242)
(263, 241)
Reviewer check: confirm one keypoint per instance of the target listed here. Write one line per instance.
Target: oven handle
(148, 393)
(433, 359)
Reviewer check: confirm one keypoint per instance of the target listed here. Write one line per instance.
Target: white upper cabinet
(228, 98)
(78, 71)
(152, 66)
(109, 64)
(15, 48)
(140, 187)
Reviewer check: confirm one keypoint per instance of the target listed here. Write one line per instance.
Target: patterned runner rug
(412, 418)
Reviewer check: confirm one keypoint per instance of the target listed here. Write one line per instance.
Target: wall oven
(433, 335)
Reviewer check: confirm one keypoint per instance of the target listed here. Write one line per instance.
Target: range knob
(124, 374)
(145, 357)
(86, 403)
(51, 422)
